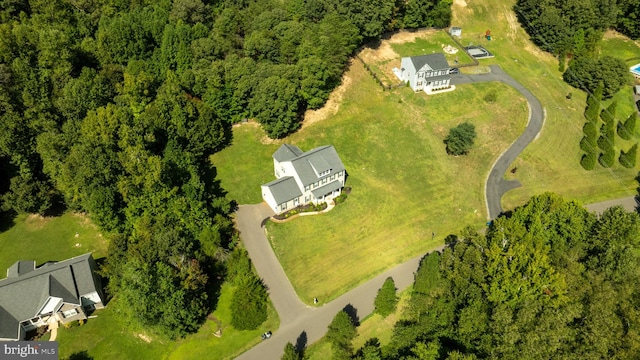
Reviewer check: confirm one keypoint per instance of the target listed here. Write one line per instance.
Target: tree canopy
(586, 73)
(547, 281)
(460, 139)
(113, 108)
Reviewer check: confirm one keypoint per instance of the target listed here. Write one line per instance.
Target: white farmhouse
(425, 72)
(315, 176)
(62, 292)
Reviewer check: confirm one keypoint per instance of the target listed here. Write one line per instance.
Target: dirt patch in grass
(513, 25)
(332, 105)
(36, 221)
(460, 3)
(385, 52)
(144, 337)
(612, 34)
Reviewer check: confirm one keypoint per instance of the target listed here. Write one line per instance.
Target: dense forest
(547, 281)
(573, 30)
(113, 107)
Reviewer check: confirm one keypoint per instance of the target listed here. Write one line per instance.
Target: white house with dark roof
(425, 72)
(315, 176)
(31, 297)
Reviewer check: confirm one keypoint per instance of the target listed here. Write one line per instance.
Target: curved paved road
(496, 184)
(298, 322)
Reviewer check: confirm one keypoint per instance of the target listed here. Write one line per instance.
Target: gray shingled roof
(325, 157)
(21, 267)
(436, 61)
(284, 189)
(23, 296)
(8, 325)
(287, 152)
(324, 190)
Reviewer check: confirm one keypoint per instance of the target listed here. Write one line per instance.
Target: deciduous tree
(460, 139)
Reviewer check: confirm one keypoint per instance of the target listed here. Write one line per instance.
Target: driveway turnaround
(300, 324)
(496, 184)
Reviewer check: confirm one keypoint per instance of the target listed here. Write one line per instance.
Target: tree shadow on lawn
(6, 220)
(80, 355)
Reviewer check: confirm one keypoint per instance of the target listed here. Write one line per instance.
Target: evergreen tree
(290, 353)
(627, 129)
(249, 303)
(386, 300)
(590, 130)
(628, 158)
(593, 108)
(608, 115)
(340, 333)
(588, 160)
(604, 142)
(598, 93)
(607, 158)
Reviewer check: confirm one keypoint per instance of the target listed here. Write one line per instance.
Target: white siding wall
(268, 197)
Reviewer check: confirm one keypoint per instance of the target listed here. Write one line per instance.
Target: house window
(306, 188)
(324, 173)
(324, 181)
(282, 168)
(283, 206)
(333, 177)
(419, 83)
(69, 313)
(306, 199)
(316, 184)
(295, 202)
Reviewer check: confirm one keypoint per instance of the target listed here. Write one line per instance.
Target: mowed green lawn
(33, 237)
(108, 336)
(432, 44)
(405, 186)
(551, 163)
(243, 168)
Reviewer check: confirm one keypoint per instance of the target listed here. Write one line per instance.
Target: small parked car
(454, 71)
(266, 335)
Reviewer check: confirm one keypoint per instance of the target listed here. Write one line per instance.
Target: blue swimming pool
(635, 69)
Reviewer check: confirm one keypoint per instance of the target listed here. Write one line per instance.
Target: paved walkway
(629, 203)
(496, 185)
(53, 327)
(298, 322)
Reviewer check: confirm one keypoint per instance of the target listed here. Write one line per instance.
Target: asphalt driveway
(300, 323)
(496, 185)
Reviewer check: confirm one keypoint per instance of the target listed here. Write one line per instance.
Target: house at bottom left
(56, 292)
